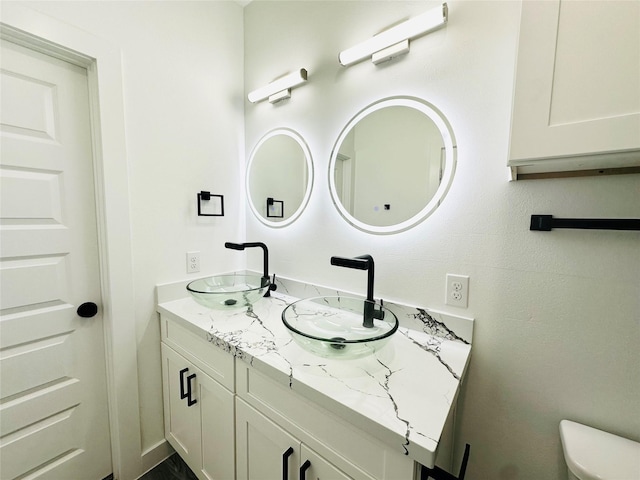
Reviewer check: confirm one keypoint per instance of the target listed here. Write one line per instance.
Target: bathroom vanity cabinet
(243, 400)
(200, 414)
(576, 104)
(267, 451)
(270, 419)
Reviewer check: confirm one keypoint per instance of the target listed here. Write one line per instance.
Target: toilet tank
(592, 454)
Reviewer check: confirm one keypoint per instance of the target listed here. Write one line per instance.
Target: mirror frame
(310, 174)
(447, 175)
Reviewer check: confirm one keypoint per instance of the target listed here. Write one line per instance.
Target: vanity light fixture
(395, 41)
(279, 89)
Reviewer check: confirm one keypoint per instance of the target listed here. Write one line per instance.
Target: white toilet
(592, 454)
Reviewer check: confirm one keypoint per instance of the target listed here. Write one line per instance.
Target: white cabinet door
(181, 416)
(577, 89)
(265, 451)
(217, 427)
(318, 468)
(199, 420)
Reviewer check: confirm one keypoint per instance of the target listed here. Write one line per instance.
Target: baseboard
(156, 454)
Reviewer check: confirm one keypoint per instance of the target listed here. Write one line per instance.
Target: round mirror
(279, 177)
(392, 165)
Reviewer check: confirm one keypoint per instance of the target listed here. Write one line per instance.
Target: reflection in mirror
(392, 165)
(279, 177)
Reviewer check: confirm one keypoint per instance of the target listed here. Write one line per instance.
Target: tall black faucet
(363, 262)
(265, 250)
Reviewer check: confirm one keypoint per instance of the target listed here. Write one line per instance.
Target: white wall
(557, 313)
(183, 90)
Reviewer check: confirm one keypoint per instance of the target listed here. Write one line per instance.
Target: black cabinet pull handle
(190, 401)
(303, 469)
(183, 392)
(285, 463)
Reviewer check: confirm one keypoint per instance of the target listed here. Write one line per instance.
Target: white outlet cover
(457, 290)
(193, 262)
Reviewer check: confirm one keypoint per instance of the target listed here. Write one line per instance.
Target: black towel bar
(546, 223)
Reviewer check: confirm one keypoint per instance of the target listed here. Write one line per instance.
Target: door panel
(49, 354)
(48, 400)
(34, 195)
(39, 443)
(29, 108)
(53, 395)
(29, 281)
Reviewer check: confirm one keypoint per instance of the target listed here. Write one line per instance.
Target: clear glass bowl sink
(334, 326)
(226, 292)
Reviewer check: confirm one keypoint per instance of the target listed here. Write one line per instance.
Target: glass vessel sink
(334, 326)
(226, 292)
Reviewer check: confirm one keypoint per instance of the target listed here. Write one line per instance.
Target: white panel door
(53, 396)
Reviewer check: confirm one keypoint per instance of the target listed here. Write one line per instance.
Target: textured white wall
(557, 314)
(183, 89)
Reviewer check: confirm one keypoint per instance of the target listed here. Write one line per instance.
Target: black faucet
(265, 250)
(363, 262)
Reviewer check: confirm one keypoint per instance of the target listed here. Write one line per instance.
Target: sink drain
(230, 301)
(339, 345)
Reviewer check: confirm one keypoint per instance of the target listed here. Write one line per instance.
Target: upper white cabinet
(576, 103)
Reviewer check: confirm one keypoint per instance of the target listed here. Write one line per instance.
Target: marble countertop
(401, 394)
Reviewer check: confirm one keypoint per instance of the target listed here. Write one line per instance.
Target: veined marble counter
(402, 394)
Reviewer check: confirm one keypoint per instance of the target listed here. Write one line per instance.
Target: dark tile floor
(173, 468)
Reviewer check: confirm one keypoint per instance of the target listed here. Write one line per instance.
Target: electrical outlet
(457, 290)
(193, 262)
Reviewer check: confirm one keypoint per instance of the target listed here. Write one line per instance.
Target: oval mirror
(279, 177)
(392, 165)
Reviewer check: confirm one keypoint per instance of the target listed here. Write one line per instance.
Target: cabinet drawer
(350, 449)
(213, 361)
